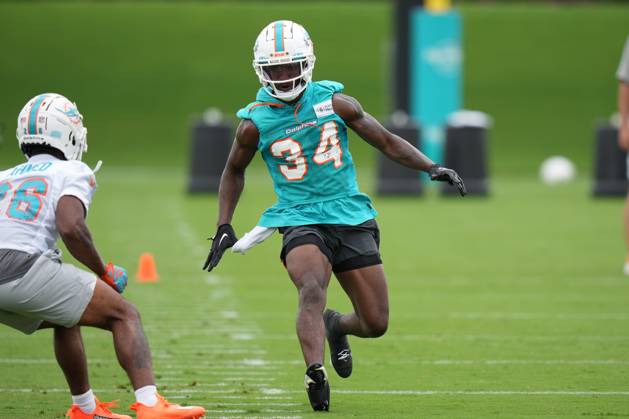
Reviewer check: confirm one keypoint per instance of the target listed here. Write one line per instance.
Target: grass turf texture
(509, 294)
(496, 295)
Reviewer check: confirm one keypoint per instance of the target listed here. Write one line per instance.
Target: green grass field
(512, 306)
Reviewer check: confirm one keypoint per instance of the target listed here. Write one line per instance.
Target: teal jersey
(305, 148)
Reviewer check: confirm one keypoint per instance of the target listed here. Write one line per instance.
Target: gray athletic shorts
(51, 290)
(347, 247)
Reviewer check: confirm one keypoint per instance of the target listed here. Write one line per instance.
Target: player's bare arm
(233, 178)
(370, 130)
(623, 107)
(70, 219)
(232, 183)
(391, 145)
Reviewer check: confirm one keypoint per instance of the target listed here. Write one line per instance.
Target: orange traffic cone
(147, 271)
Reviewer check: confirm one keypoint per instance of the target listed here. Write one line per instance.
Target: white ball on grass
(557, 169)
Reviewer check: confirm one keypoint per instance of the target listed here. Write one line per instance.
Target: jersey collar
(41, 158)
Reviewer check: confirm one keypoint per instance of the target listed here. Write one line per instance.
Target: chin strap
(97, 167)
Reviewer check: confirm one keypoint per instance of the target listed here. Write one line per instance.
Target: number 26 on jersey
(26, 199)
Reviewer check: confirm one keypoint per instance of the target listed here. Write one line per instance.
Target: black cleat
(340, 353)
(317, 387)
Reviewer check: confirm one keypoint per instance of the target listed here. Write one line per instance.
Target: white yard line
(533, 316)
(523, 362)
(228, 368)
(484, 393)
(257, 404)
(488, 316)
(355, 392)
(243, 333)
(218, 366)
(258, 417)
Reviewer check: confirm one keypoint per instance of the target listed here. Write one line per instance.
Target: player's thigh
(307, 265)
(368, 291)
(107, 307)
(50, 291)
(306, 255)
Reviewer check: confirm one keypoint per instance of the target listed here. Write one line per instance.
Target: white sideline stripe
(489, 316)
(174, 369)
(174, 383)
(354, 392)
(510, 337)
(221, 368)
(210, 369)
(525, 362)
(248, 397)
(538, 316)
(182, 331)
(257, 404)
(260, 417)
(484, 393)
(46, 361)
(228, 352)
(225, 411)
(225, 375)
(245, 411)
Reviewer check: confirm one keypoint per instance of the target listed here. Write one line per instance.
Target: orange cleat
(165, 410)
(102, 412)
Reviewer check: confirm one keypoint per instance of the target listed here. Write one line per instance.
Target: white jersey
(29, 194)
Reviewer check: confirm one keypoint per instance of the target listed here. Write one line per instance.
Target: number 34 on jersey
(296, 167)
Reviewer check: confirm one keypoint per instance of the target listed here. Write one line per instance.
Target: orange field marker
(147, 271)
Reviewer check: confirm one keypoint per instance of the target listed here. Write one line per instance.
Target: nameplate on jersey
(324, 108)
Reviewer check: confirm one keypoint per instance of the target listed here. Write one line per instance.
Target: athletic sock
(146, 395)
(86, 401)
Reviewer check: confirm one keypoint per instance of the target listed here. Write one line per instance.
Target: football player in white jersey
(41, 200)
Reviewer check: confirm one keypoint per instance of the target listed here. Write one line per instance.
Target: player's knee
(312, 294)
(125, 312)
(377, 326)
(131, 313)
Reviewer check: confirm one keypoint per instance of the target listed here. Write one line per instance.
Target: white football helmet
(52, 120)
(284, 42)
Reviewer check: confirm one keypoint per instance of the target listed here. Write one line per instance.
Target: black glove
(443, 174)
(224, 238)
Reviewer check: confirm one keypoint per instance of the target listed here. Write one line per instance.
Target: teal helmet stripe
(279, 36)
(32, 116)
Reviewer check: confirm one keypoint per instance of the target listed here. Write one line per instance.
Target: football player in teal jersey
(300, 129)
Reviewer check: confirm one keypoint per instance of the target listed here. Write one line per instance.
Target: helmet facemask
(286, 88)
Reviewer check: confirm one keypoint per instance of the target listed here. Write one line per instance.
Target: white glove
(256, 236)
